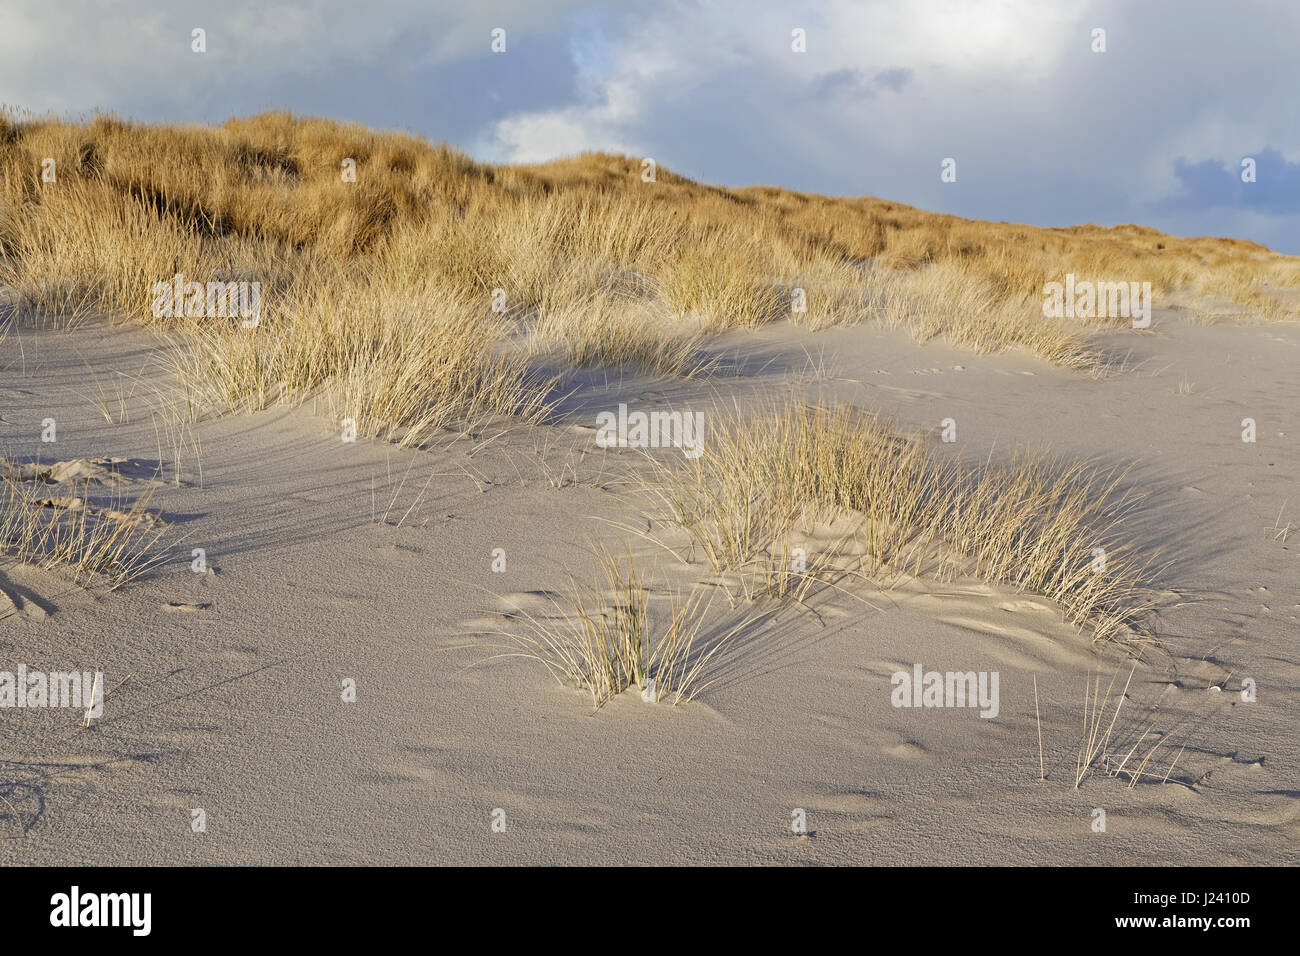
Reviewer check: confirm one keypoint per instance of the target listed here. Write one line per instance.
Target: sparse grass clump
(94, 540)
(603, 637)
(1029, 520)
(1125, 754)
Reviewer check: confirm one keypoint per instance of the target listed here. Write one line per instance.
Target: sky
(1042, 126)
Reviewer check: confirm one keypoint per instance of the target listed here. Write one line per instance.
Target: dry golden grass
(611, 330)
(423, 295)
(593, 265)
(1128, 752)
(1029, 520)
(426, 294)
(603, 638)
(94, 540)
(402, 362)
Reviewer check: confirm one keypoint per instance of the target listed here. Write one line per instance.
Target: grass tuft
(94, 540)
(1029, 520)
(603, 638)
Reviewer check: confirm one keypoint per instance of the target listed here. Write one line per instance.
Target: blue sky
(1042, 128)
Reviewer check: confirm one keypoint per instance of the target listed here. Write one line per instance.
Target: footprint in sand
(1017, 607)
(177, 607)
(847, 811)
(142, 517)
(906, 750)
(98, 471)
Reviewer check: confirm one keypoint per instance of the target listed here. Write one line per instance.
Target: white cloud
(536, 138)
(669, 51)
(1043, 130)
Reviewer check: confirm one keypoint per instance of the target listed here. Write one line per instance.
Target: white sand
(233, 702)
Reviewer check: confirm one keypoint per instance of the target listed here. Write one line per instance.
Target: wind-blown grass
(401, 362)
(598, 266)
(1029, 519)
(603, 638)
(95, 541)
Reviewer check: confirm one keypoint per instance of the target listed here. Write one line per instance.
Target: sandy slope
(233, 702)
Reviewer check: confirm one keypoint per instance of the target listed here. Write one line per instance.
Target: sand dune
(327, 563)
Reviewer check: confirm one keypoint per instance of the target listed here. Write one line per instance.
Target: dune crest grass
(578, 262)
